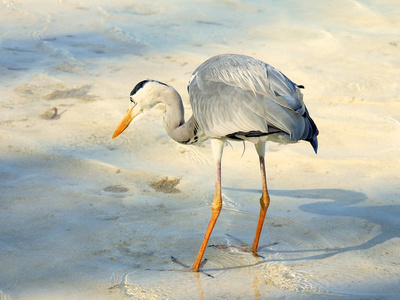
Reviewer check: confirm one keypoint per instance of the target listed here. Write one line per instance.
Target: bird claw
(240, 248)
(243, 246)
(189, 269)
(219, 246)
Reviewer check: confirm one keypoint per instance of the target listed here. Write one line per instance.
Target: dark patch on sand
(116, 189)
(165, 185)
(51, 114)
(75, 93)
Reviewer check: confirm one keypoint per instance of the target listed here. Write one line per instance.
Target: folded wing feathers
(225, 81)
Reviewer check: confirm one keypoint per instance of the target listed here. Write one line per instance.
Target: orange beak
(124, 123)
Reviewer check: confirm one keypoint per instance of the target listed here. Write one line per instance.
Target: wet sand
(86, 217)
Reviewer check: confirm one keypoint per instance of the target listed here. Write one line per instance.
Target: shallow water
(86, 217)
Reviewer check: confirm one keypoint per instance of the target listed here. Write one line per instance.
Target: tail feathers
(314, 144)
(313, 132)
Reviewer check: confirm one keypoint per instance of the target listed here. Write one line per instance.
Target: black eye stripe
(142, 83)
(138, 86)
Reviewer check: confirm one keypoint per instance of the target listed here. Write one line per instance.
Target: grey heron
(233, 97)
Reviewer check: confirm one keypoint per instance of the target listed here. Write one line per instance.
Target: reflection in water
(257, 294)
(232, 272)
(240, 275)
(199, 288)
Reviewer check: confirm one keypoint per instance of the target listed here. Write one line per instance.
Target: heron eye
(133, 101)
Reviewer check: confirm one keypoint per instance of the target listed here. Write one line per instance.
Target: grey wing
(235, 93)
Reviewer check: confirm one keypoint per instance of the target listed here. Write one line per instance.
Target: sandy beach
(86, 217)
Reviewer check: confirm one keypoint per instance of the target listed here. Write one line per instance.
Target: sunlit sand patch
(288, 279)
(253, 278)
(150, 284)
(269, 274)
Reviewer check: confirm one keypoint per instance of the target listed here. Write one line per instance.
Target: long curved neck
(174, 118)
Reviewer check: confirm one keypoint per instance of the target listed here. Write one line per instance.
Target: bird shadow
(340, 203)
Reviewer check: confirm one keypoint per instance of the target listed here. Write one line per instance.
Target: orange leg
(264, 203)
(217, 147)
(215, 210)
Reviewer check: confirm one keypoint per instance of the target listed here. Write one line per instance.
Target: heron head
(143, 97)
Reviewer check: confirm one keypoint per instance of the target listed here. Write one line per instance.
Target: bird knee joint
(216, 206)
(264, 201)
